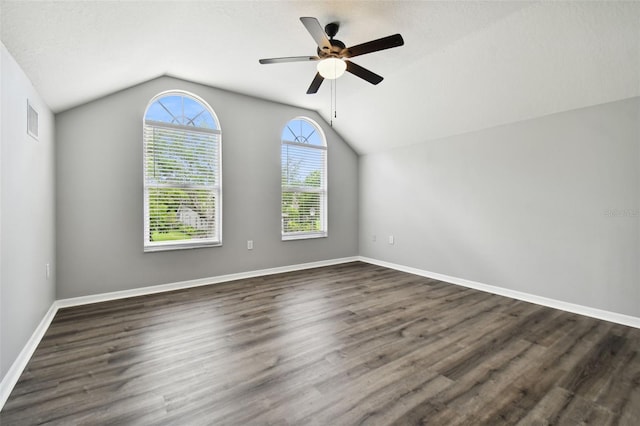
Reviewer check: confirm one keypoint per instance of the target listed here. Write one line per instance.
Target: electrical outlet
(47, 270)
(249, 244)
(391, 239)
(373, 238)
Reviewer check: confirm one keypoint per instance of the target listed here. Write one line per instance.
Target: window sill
(180, 246)
(304, 236)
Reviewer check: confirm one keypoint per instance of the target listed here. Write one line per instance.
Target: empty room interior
(320, 212)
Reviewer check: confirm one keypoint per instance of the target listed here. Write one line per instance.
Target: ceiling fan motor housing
(331, 29)
(336, 49)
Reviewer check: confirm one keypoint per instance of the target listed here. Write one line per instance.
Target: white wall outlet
(47, 270)
(373, 238)
(249, 244)
(391, 239)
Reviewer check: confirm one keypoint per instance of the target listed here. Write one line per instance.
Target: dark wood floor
(340, 345)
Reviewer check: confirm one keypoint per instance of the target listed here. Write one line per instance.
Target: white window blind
(182, 191)
(304, 180)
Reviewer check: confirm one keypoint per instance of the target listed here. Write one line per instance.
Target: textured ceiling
(464, 66)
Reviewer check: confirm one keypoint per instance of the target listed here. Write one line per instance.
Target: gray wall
(27, 212)
(547, 206)
(99, 194)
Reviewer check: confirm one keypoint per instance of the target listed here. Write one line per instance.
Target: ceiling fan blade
(374, 46)
(315, 84)
(317, 32)
(289, 59)
(363, 73)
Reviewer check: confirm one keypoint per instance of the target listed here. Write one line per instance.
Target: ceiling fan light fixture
(332, 68)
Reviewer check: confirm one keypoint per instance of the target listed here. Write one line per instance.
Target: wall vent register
(32, 121)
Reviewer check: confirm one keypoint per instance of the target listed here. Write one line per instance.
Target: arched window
(182, 170)
(304, 180)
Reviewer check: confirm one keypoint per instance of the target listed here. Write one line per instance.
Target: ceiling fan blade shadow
(289, 59)
(374, 46)
(315, 84)
(317, 32)
(363, 73)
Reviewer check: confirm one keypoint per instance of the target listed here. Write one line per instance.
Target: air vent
(32, 121)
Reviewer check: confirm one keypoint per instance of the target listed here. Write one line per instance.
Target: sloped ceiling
(465, 66)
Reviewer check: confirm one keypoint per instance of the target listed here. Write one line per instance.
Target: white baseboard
(18, 366)
(11, 378)
(103, 297)
(527, 297)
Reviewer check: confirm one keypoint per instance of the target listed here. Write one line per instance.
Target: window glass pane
(181, 214)
(157, 113)
(302, 166)
(301, 212)
(181, 110)
(181, 156)
(301, 131)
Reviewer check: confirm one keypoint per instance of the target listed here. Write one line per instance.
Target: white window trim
(324, 207)
(150, 247)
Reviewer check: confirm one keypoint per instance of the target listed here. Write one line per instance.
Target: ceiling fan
(333, 55)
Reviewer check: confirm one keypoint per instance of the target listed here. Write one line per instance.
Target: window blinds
(303, 190)
(182, 185)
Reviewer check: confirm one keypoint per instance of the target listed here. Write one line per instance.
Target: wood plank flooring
(341, 345)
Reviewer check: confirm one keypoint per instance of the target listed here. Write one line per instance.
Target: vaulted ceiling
(465, 66)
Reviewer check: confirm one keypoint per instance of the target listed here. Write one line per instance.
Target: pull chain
(335, 98)
(333, 102)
